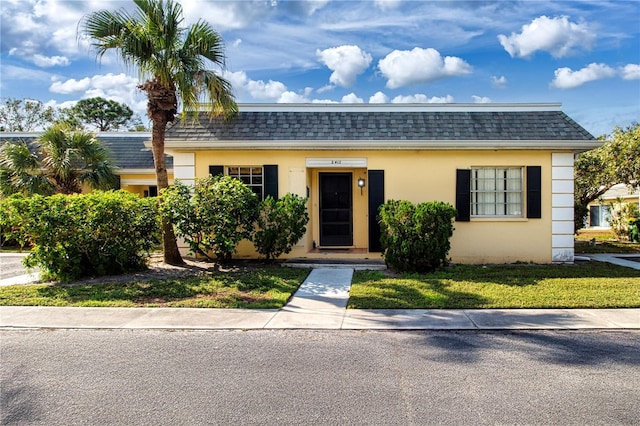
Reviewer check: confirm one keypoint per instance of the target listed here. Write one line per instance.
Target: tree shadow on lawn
(216, 289)
(470, 286)
(434, 294)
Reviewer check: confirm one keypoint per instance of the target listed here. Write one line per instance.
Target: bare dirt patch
(157, 269)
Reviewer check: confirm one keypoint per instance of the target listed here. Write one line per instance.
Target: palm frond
(18, 156)
(220, 96)
(166, 53)
(202, 40)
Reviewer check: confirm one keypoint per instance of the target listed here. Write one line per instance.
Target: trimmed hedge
(415, 238)
(82, 235)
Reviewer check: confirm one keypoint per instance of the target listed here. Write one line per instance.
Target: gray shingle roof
(127, 149)
(382, 126)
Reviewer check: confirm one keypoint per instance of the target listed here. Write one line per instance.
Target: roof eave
(389, 145)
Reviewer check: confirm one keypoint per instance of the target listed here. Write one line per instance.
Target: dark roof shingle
(382, 125)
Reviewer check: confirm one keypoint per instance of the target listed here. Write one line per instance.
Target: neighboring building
(133, 161)
(508, 169)
(599, 210)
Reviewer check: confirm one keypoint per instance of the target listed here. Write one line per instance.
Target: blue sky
(584, 54)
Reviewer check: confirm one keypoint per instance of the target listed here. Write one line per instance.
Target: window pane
(250, 176)
(496, 191)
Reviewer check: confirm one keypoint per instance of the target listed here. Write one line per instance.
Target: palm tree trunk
(162, 107)
(169, 244)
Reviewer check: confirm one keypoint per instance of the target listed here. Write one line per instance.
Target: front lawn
(269, 287)
(589, 241)
(585, 285)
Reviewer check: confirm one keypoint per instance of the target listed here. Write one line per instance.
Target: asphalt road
(136, 377)
(11, 265)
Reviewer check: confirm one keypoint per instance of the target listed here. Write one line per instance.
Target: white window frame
(497, 192)
(250, 176)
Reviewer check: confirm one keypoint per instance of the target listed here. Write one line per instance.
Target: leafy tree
(623, 153)
(173, 61)
(24, 115)
(597, 170)
(281, 224)
(213, 216)
(61, 161)
(68, 118)
(136, 124)
(104, 114)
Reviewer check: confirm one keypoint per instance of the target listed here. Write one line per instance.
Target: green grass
(606, 242)
(588, 285)
(262, 288)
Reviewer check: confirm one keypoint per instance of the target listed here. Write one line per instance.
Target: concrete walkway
(319, 303)
(617, 259)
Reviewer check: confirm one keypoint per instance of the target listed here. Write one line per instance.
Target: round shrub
(415, 238)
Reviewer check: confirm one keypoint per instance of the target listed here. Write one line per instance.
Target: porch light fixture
(361, 183)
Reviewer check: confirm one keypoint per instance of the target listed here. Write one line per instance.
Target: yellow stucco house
(507, 168)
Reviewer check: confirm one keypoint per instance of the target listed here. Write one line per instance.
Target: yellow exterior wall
(416, 176)
(138, 188)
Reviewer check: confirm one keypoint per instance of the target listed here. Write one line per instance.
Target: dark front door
(336, 209)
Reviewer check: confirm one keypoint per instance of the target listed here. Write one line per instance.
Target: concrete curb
(12, 317)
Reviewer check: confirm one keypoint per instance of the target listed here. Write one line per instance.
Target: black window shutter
(534, 192)
(216, 170)
(376, 199)
(271, 181)
(117, 183)
(463, 195)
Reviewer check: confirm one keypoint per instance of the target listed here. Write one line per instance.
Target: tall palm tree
(172, 60)
(62, 160)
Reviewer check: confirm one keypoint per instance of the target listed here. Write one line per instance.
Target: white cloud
(257, 89)
(70, 86)
(38, 27)
(352, 98)
(404, 67)
(379, 98)
(311, 6)
(227, 15)
(422, 99)
(10, 72)
(290, 97)
(50, 61)
(264, 91)
(118, 87)
(481, 99)
(630, 72)
(346, 62)
(499, 82)
(566, 78)
(327, 88)
(558, 36)
(387, 4)
(55, 104)
(324, 101)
